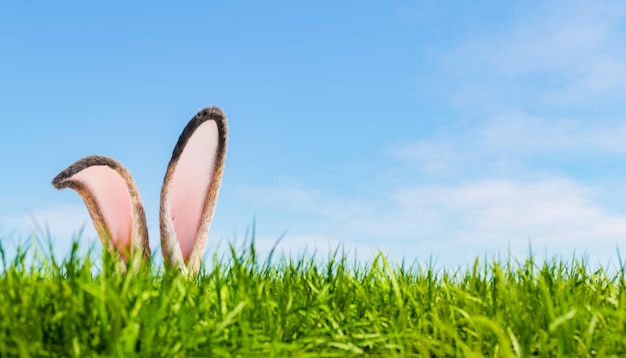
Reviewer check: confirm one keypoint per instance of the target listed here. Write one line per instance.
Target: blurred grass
(239, 306)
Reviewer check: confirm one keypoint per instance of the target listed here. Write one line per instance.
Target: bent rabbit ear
(190, 188)
(112, 200)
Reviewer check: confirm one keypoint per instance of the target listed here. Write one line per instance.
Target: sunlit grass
(243, 306)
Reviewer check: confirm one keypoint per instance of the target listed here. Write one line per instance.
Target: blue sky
(424, 130)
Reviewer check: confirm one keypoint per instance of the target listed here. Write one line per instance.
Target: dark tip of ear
(206, 114)
(56, 181)
(211, 111)
(59, 181)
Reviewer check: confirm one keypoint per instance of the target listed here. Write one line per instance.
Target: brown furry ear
(113, 202)
(190, 188)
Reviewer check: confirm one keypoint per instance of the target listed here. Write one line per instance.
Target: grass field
(244, 306)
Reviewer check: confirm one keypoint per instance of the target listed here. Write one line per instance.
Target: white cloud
(433, 156)
(63, 222)
(60, 223)
(555, 53)
(520, 133)
(508, 144)
(458, 222)
(549, 38)
(602, 76)
(314, 203)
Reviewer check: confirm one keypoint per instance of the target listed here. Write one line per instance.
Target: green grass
(243, 306)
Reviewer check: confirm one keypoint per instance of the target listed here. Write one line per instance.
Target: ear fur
(113, 202)
(190, 188)
(188, 195)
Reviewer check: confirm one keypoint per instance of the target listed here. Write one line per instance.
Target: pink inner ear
(112, 198)
(190, 183)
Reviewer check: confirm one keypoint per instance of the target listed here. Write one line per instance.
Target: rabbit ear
(112, 200)
(190, 188)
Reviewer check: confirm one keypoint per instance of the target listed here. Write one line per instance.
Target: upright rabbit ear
(190, 189)
(113, 203)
